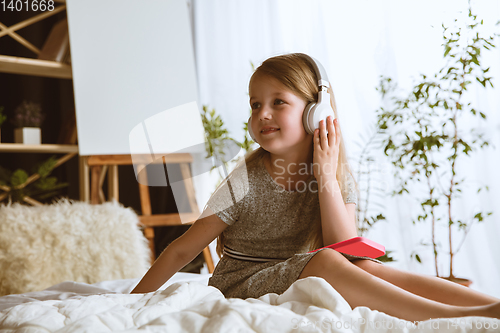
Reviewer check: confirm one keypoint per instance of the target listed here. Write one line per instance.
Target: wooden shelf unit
(42, 148)
(36, 67)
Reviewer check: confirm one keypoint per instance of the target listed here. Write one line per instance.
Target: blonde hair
(296, 73)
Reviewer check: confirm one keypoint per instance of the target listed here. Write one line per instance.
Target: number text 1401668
(33, 5)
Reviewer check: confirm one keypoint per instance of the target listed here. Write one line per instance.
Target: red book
(357, 246)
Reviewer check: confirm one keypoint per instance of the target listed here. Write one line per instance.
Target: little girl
(294, 194)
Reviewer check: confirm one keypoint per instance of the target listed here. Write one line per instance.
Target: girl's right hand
(326, 151)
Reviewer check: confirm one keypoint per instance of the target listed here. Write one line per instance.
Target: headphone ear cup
(249, 125)
(314, 113)
(308, 117)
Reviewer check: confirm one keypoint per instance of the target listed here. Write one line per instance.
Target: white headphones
(313, 112)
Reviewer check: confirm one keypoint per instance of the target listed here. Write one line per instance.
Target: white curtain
(357, 41)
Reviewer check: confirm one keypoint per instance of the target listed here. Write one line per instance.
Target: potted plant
(219, 144)
(28, 118)
(2, 120)
(423, 127)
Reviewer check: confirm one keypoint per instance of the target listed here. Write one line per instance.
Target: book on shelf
(56, 47)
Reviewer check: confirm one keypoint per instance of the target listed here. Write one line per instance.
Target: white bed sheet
(187, 304)
(69, 289)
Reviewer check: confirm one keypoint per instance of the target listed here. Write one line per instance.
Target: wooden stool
(100, 164)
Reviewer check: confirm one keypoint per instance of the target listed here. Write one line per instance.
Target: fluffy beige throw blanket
(68, 241)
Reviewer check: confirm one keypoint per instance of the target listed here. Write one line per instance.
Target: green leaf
(46, 183)
(447, 50)
(18, 177)
(46, 167)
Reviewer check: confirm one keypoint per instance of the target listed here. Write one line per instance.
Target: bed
(79, 262)
(187, 304)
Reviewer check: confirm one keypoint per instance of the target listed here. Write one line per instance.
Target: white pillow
(69, 241)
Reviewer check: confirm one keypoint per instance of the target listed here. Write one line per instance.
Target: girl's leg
(360, 288)
(427, 286)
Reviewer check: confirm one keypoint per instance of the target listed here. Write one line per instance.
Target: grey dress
(265, 221)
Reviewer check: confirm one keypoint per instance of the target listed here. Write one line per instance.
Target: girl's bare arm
(337, 219)
(182, 251)
(337, 224)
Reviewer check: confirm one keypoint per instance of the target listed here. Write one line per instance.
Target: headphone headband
(320, 71)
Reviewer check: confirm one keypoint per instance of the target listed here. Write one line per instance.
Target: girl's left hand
(326, 151)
